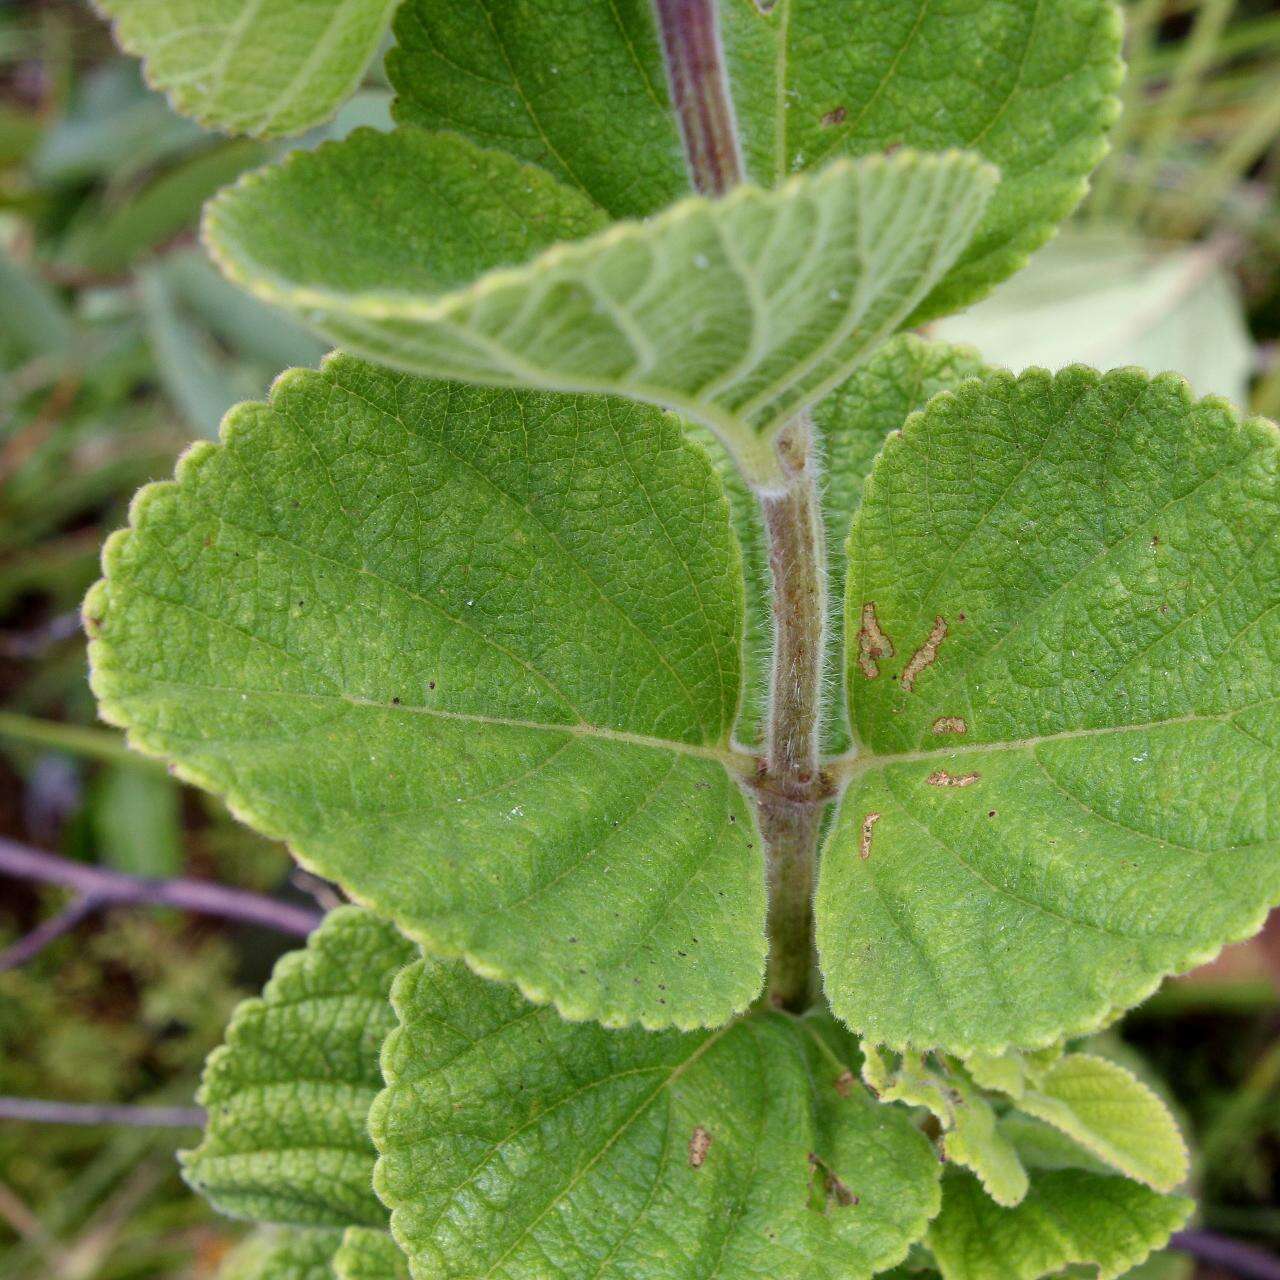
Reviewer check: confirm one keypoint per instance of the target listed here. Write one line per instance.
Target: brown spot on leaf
(950, 724)
(698, 1146)
(925, 654)
(844, 1083)
(941, 778)
(833, 1187)
(872, 642)
(835, 117)
(868, 830)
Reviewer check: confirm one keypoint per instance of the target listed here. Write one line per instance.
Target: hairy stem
(792, 790)
(700, 93)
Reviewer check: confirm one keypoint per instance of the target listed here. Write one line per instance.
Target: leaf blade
(289, 1091)
(308, 57)
(699, 1161)
(1069, 1216)
(1029, 85)
(737, 312)
(480, 703)
(580, 93)
(1086, 676)
(1112, 1114)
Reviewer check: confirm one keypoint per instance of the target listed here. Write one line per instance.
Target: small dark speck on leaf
(395, 702)
(835, 117)
(844, 1083)
(991, 813)
(431, 684)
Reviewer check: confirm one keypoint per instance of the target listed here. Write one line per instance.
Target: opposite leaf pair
(510, 1143)
(477, 656)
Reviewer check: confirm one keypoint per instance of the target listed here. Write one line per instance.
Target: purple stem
(50, 931)
(700, 93)
(1244, 1260)
(42, 1112)
(115, 888)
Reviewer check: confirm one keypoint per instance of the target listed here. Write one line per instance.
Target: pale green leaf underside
(514, 1145)
(737, 312)
(359, 1253)
(852, 424)
(274, 1254)
(475, 655)
(249, 67)
(582, 92)
(1113, 1115)
(1069, 1216)
(288, 1094)
(369, 1255)
(1072, 792)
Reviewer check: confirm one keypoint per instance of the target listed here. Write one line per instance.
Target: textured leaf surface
(283, 1255)
(971, 1134)
(1112, 1114)
(475, 655)
(1028, 84)
(1069, 1216)
(852, 425)
(514, 1144)
(288, 1094)
(1069, 786)
(369, 1255)
(249, 67)
(579, 90)
(737, 312)
(582, 92)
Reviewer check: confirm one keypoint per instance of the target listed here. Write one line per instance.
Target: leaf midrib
(738, 763)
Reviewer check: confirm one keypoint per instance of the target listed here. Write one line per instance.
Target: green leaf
(283, 1255)
(1027, 84)
(583, 93)
(1112, 1114)
(1068, 786)
(1069, 1217)
(288, 1094)
(475, 655)
(369, 1255)
(248, 67)
(514, 1144)
(971, 1133)
(737, 312)
(852, 424)
(579, 90)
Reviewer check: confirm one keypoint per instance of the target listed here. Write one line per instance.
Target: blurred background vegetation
(119, 344)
